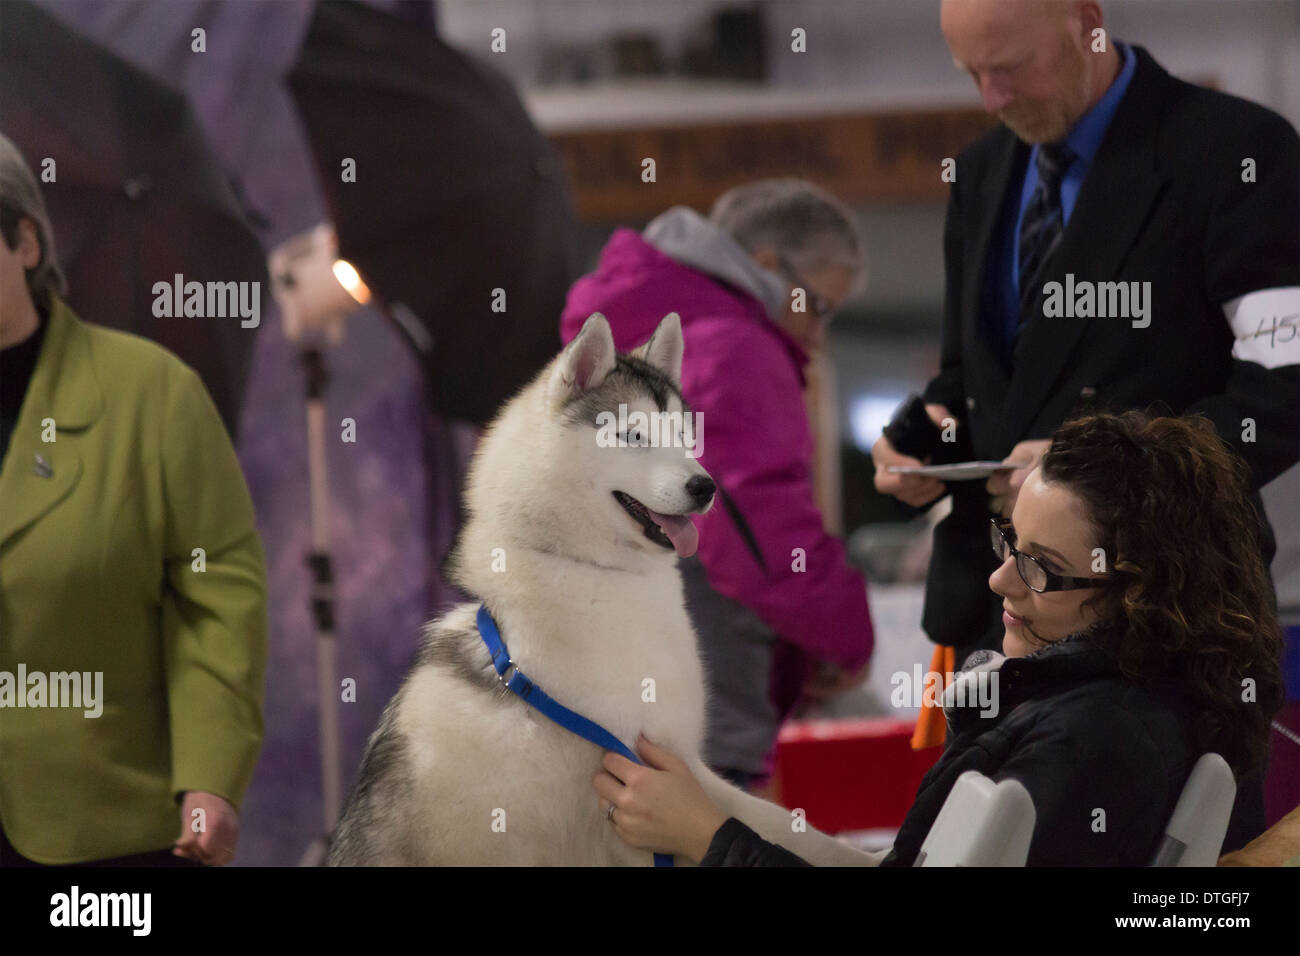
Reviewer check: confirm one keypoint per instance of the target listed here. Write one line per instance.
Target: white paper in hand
(961, 471)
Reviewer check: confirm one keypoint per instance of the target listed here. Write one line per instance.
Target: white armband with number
(1266, 326)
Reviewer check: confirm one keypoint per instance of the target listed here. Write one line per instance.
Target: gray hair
(804, 224)
(20, 198)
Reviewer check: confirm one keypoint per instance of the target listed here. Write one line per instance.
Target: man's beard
(1040, 123)
(1050, 121)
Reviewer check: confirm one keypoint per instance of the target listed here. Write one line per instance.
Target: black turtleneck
(17, 362)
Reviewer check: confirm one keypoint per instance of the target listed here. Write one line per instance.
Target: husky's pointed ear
(664, 350)
(584, 363)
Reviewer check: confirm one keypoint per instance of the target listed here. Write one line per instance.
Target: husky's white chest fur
(507, 785)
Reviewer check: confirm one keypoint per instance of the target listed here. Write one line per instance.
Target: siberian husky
(571, 544)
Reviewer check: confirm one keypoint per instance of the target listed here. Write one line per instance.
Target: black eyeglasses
(821, 306)
(1036, 577)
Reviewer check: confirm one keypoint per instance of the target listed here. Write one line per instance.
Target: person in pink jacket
(769, 591)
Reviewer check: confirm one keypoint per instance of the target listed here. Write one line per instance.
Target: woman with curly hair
(1140, 634)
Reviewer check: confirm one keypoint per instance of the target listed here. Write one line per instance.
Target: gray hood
(685, 236)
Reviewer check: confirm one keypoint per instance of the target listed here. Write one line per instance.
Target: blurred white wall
(894, 48)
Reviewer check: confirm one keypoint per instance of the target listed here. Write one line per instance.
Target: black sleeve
(1252, 243)
(948, 388)
(737, 845)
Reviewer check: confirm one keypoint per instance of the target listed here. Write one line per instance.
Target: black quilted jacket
(1103, 759)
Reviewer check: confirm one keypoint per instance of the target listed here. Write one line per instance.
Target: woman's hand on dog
(660, 806)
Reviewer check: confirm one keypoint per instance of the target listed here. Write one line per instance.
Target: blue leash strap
(523, 688)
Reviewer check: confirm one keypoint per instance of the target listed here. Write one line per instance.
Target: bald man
(1123, 238)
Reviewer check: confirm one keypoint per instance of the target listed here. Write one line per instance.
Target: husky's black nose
(701, 488)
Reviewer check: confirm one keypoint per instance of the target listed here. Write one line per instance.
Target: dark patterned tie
(1040, 230)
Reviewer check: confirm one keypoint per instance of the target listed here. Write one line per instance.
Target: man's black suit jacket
(1163, 202)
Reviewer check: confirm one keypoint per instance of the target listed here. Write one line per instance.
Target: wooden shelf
(706, 138)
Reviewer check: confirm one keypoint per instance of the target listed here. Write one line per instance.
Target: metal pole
(322, 600)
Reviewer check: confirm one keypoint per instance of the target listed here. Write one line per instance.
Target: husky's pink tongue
(681, 532)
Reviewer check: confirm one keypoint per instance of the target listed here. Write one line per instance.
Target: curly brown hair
(1188, 599)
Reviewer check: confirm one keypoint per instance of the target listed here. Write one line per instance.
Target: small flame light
(350, 279)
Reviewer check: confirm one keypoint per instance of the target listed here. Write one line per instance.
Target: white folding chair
(1195, 832)
(982, 823)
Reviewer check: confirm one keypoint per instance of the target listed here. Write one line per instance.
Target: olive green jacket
(127, 548)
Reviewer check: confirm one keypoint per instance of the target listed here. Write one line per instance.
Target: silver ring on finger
(609, 814)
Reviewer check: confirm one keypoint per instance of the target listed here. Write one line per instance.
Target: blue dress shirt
(1084, 139)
